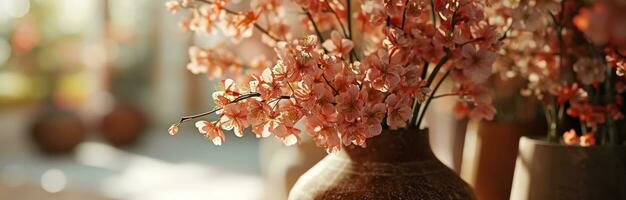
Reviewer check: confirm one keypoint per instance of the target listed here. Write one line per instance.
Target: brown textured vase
(395, 165)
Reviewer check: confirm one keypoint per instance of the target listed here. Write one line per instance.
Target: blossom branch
(506, 33)
(440, 64)
(348, 15)
(416, 104)
(430, 99)
(432, 12)
(321, 40)
(317, 31)
(238, 99)
(445, 95)
(343, 29)
(406, 3)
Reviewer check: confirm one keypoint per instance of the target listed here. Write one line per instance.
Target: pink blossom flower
(286, 132)
(412, 85)
(476, 64)
(398, 111)
(172, 6)
(239, 26)
(373, 116)
(383, 75)
(173, 130)
(324, 101)
(267, 85)
(235, 117)
(590, 114)
(349, 105)
(212, 131)
(372, 14)
(198, 62)
(337, 45)
(229, 93)
(589, 71)
(570, 137)
(298, 58)
(372, 96)
(588, 139)
(352, 132)
(323, 130)
(258, 114)
(571, 93)
(266, 5)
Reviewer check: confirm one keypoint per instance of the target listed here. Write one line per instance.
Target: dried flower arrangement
(357, 70)
(572, 55)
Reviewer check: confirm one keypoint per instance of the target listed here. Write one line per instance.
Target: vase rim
(541, 140)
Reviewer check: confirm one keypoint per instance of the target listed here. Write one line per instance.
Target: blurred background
(88, 89)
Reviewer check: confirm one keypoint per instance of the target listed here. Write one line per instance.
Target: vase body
(495, 156)
(124, 125)
(546, 170)
(395, 165)
(57, 131)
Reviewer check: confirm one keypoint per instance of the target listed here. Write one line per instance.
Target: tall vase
(495, 154)
(398, 164)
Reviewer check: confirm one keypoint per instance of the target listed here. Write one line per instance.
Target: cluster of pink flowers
(341, 90)
(571, 55)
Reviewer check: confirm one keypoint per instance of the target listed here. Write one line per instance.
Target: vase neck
(394, 146)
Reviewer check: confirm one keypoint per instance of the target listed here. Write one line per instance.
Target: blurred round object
(123, 125)
(57, 131)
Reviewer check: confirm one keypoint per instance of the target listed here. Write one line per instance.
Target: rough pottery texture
(395, 165)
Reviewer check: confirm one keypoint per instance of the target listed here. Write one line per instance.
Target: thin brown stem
(321, 40)
(406, 3)
(432, 12)
(421, 117)
(343, 29)
(317, 30)
(445, 95)
(238, 99)
(440, 64)
(348, 15)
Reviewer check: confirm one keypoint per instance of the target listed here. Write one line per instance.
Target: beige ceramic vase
(551, 171)
(395, 165)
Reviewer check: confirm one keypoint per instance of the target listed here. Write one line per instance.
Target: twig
(419, 121)
(317, 31)
(406, 3)
(321, 40)
(438, 67)
(506, 32)
(343, 29)
(432, 12)
(349, 16)
(445, 95)
(238, 99)
(425, 70)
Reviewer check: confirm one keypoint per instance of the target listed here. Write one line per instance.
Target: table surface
(158, 167)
